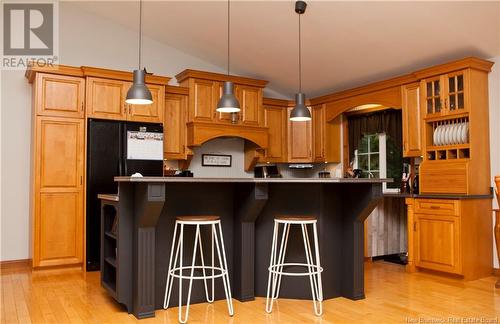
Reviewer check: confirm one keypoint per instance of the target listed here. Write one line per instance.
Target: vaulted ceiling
(345, 44)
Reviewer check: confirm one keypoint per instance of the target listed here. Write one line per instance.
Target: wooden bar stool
(177, 270)
(277, 262)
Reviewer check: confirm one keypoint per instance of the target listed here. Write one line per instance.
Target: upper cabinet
(59, 95)
(152, 113)
(174, 124)
(412, 132)
(319, 136)
(106, 100)
(299, 140)
(205, 90)
(276, 119)
(446, 94)
(250, 99)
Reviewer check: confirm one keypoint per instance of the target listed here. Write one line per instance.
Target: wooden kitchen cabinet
(106, 100)
(299, 140)
(412, 132)
(58, 189)
(326, 141)
(276, 119)
(203, 102)
(59, 95)
(152, 113)
(250, 99)
(438, 242)
(450, 235)
(174, 126)
(446, 94)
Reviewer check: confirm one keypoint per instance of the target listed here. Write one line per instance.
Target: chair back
(497, 189)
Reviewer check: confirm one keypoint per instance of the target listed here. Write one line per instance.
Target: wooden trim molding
(85, 71)
(196, 74)
(122, 75)
(176, 90)
(201, 132)
(275, 102)
(22, 264)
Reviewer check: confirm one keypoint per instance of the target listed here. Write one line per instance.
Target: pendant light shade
(139, 94)
(300, 112)
(228, 102)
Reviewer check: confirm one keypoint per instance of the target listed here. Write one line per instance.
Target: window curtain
(387, 121)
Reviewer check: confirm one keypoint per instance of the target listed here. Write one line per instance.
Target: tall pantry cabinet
(59, 158)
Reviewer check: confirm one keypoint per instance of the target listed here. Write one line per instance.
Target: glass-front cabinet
(445, 94)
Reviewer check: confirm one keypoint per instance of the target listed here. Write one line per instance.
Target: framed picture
(217, 160)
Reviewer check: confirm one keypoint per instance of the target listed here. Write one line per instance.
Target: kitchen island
(148, 206)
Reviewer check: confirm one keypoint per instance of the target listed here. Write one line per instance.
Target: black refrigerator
(116, 149)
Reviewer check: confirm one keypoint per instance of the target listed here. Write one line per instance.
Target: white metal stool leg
(223, 263)
(190, 281)
(312, 277)
(318, 264)
(170, 279)
(281, 260)
(198, 241)
(269, 301)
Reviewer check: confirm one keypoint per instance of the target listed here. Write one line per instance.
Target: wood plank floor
(393, 296)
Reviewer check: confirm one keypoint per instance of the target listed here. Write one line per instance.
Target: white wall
(494, 89)
(84, 39)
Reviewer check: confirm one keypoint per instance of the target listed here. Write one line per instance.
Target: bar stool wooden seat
(176, 269)
(278, 264)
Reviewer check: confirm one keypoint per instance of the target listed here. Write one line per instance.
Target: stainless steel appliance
(267, 171)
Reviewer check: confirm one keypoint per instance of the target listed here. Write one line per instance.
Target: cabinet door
(59, 161)
(106, 98)
(456, 100)
(251, 104)
(412, 133)
(437, 242)
(204, 100)
(318, 131)
(299, 141)
(152, 113)
(275, 118)
(174, 126)
(58, 95)
(432, 96)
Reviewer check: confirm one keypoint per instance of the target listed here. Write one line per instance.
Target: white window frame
(382, 160)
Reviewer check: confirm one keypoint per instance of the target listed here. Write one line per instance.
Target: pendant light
(139, 94)
(300, 111)
(228, 102)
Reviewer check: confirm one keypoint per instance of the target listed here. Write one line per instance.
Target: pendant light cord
(228, 34)
(140, 32)
(300, 59)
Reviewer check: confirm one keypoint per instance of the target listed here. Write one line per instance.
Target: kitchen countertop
(438, 196)
(250, 180)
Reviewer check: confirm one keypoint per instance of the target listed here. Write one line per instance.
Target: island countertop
(251, 180)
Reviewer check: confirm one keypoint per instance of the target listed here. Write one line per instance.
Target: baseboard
(15, 264)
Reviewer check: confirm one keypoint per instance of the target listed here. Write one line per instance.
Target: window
(379, 157)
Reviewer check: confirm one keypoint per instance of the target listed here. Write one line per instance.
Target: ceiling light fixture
(228, 102)
(139, 94)
(300, 112)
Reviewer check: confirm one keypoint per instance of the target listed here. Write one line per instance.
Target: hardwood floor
(393, 296)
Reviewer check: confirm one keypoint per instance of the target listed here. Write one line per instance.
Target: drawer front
(437, 207)
(445, 177)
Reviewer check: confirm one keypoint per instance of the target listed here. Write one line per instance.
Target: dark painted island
(146, 209)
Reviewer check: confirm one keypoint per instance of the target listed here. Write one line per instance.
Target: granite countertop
(250, 180)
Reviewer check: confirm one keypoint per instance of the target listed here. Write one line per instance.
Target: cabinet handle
(435, 207)
(81, 180)
(82, 105)
(414, 226)
(446, 103)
